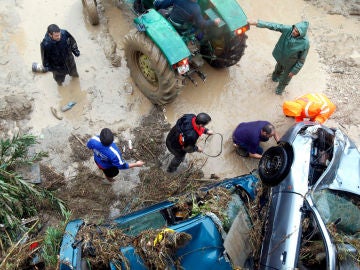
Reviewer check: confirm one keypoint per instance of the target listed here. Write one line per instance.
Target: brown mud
(107, 97)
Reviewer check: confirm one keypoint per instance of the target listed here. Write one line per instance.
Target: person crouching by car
(248, 135)
(107, 155)
(183, 136)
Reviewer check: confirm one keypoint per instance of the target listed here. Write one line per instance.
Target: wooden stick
(148, 150)
(206, 180)
(76, 137)
(17, 244)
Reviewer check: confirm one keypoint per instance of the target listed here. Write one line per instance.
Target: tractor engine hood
(230, 12)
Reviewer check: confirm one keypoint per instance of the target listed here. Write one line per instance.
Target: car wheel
(91, 11)
(150, 70)
(274, 165)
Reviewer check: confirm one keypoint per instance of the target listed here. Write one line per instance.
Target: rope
(221, 143)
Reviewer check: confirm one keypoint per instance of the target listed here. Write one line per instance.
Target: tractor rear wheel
(91, 11)
(150, 70)
(225, 51)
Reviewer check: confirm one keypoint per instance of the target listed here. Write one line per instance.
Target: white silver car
(313, 220)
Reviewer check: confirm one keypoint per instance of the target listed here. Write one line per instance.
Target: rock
(31, 173)
(16, 107)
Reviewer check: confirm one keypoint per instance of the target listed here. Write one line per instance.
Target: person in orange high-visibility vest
(315, 107)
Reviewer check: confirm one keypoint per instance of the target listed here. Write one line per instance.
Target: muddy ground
(107, 97)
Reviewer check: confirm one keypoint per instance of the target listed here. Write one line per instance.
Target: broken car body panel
(205, 250)
(344, 169)
(321, 159)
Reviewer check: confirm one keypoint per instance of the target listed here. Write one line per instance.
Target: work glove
(76, 53)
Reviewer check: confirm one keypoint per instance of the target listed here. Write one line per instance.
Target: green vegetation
(52, 241)
(20, 201)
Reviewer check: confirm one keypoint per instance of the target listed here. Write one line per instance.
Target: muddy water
(243, 92)
(99, 93)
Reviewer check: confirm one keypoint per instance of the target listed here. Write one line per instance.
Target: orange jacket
(316, 106)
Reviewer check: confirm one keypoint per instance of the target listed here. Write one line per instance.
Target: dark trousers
(281, 75)
(179, 156)
(59, 76)
(245, 147)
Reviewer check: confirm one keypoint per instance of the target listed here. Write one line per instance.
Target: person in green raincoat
(290, 51)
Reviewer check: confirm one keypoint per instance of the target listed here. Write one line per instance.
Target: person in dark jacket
(107, 155)
(57, 49)
(248, 135)
(189, 11)
(183, 136)
(185, 13)
(290, 51)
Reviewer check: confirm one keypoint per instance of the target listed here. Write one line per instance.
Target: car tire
(225, 51)
(91, 11)
(150, 70)
(274, 165)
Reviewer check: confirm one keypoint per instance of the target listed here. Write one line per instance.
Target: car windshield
(156, 220)
(340, 213)
(336, 196)
(340, 170)
(134, 226)
(336, 192)
(338, 208)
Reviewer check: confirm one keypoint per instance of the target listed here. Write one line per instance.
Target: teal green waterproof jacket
(289, 51)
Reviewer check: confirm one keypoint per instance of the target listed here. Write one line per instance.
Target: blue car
(206, 248)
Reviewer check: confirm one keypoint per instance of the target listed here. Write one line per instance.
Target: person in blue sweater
(107, 155)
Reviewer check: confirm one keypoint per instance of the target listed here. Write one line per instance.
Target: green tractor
(161, 57)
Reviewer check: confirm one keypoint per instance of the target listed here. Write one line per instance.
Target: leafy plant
(15, 151)
(19, 199)
(52, 241)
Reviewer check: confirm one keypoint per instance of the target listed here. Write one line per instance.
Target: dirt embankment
(338, 7)
(339, 52)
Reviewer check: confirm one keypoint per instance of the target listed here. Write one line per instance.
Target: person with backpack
(183, 136)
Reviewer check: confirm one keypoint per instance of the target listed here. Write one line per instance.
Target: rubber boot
(279, 90)
(277, 72)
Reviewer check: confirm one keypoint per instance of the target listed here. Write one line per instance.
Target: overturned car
(313, 220)
(185, 233)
